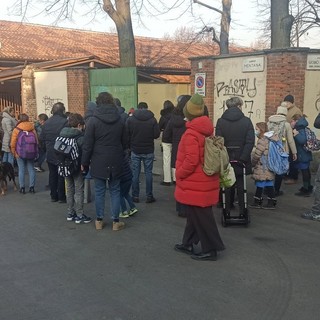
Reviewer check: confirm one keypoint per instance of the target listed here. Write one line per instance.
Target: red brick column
(78, 90)
(204, 65)
(285, 75)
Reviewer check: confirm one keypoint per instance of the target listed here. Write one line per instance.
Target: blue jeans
(100, 196)
(22, 165)
(125, 187)
(8, 157)
(147, 160)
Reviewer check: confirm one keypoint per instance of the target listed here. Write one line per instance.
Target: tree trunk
(225, 26)
(122, 19)
(127, 49)
(281, 24)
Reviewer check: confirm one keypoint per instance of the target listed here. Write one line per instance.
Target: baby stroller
(242, 218)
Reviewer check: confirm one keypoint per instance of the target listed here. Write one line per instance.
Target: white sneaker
(133, 211)
(124, 214)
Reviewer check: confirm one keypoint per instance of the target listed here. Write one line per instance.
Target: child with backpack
(264, 178)
(125, 186)
(24, 147)
(42, 118)
(299, 125)
(279, 125)
(69, 167)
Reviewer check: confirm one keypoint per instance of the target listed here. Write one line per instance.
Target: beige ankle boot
(99, 224)
(117, 226)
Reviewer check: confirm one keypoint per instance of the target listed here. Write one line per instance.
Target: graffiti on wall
(247, 108)
(51, 87)
(244, 88)
(237, 87)
(48, 102)
(317, 104)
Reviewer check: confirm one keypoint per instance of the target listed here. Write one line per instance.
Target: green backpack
(216, 158)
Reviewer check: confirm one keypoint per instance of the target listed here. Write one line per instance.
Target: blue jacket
(300, 139)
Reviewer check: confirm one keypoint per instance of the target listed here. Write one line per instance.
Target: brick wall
(204, 66)
(285, 75)
(78, 90)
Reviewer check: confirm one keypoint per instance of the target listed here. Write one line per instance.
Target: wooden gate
(8, 100)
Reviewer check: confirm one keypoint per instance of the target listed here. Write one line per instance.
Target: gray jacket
(8, 123)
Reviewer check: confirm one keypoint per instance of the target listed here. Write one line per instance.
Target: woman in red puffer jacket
(194, 188)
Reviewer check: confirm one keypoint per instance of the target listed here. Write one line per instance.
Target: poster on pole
(200, 84)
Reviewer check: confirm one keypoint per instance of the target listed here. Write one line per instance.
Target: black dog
(6, 171)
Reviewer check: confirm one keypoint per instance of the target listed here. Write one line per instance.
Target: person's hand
(295, 132)
(294, 157)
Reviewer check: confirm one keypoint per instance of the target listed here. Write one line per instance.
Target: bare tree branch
(207, 6)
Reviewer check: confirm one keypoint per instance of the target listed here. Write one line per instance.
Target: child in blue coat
(299, 124)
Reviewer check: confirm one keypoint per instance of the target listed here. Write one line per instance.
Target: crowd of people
(112, 144)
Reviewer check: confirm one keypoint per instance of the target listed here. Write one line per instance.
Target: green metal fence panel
(122, 83)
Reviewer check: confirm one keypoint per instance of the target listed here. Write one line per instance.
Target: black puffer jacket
(122, 112)
(317, 122)
(142, 129)
(104, 142)
(238, 133)
(173, 132)
(165, 117)
(50, 131)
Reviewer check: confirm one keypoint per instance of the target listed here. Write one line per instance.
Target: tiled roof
(16, 72)
(23, 41)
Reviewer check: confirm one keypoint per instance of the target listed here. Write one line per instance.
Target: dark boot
(271, 204)
(303, 192)
(22, 190)
(257, 203)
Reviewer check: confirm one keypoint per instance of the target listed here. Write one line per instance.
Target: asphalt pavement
(52, 269)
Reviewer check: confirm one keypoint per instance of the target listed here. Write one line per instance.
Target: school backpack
(216, 158)
(278, 158)
(27, 145)
(67, 152)
(312, 144)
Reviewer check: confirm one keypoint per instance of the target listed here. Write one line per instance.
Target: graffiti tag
(237, 87)
(49, 102)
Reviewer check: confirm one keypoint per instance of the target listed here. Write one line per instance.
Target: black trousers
(201, 226)
(277, 182)
(56, 183)
(293, 171)
(230, 193)
(269, 192)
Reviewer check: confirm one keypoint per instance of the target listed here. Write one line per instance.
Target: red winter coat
(193, 186)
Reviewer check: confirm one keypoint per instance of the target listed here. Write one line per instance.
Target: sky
(244, 25)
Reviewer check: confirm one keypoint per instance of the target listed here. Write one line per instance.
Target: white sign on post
(313, 62)
(200, 84)
(253, 64)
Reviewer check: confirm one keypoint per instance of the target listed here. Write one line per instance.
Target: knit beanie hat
(282, 110)
(289, 98)
(194, 107)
